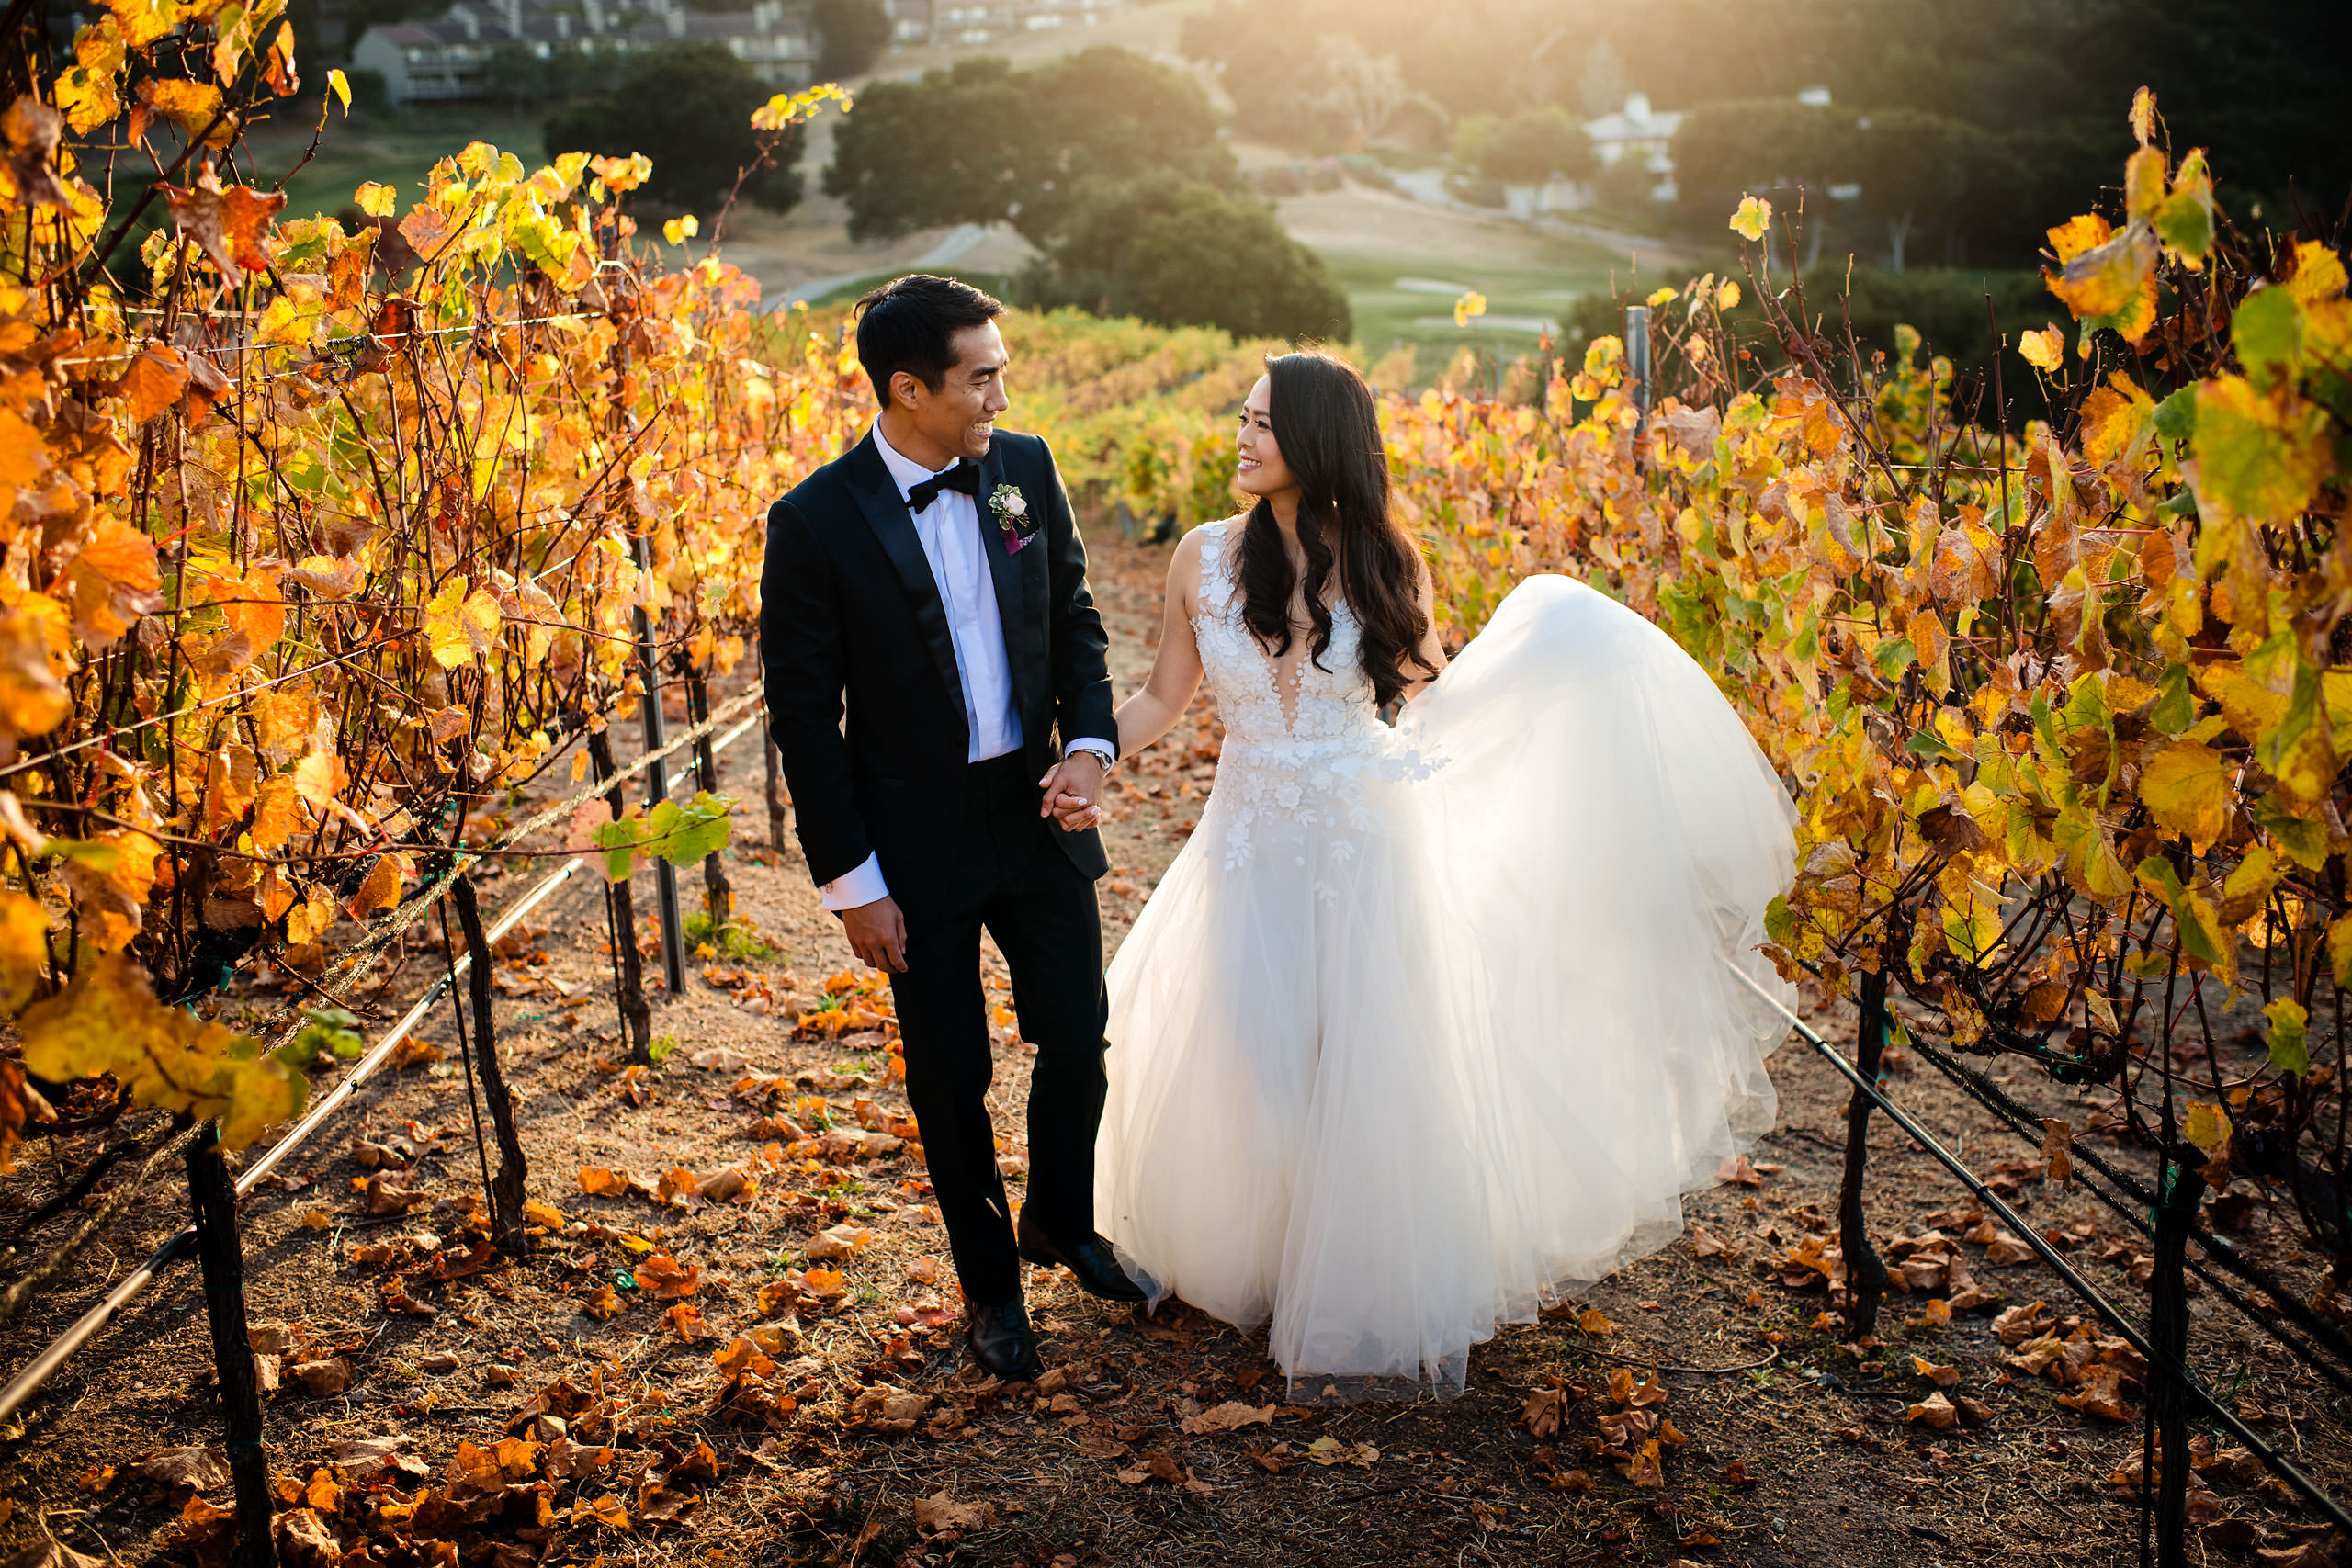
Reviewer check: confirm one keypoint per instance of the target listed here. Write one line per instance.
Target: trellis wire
(59, 1350)
(2271, 1457)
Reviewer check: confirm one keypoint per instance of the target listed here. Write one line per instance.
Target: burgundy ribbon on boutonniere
(1011, 508)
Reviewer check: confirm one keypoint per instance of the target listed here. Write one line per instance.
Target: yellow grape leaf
(460, 628)
(107, 1020)
(2289, 1037)
(1728, 297)
(2113, 283)
(2319, 273)
(2143, 181)
(375, 200)
(2043, 349)
(2260, 457)
(2189, 788)
(33, 701)
(2339, 949)
(2080, 234)
(24, 949)
(1471, 305)
(678, 230)
(282, 718)
(1660, 296)
(308, 921)
(2208, 1128)
(2143, 115)
(320, 777)
(86, 92)
(1754, 215)
(341, 86)
(277, 815)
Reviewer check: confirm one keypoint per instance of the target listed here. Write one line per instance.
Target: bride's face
(1264, 472)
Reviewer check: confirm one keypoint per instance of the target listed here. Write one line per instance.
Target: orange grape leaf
(279, 814)
(193, 107)
(227, 223)
(24, 949)
(154, 381)
(110, 877)
(32, 130)
(33, 701)
(380, 889)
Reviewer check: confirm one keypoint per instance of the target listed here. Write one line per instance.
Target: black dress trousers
(1011, 879)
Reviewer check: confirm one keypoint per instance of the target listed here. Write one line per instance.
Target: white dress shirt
(954, 546)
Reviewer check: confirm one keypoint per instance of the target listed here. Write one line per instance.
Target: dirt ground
(741, 1348)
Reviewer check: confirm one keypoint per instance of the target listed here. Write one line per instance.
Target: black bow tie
(965, 476)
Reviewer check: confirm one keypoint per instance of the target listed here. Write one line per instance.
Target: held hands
(1073, 795)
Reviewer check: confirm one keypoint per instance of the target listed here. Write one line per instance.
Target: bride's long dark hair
(1327, 427)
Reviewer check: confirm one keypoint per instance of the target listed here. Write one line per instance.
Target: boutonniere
(1011, 508)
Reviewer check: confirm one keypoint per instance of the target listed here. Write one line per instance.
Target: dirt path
(839, 1428)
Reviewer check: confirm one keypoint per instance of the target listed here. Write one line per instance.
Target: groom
(931, 581)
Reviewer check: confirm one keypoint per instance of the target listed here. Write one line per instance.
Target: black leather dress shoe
(1003, 1343)
(1091, 1260)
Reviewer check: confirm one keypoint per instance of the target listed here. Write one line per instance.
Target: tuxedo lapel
(894, 528)
(1005, 571)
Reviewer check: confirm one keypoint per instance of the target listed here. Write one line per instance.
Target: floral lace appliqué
(1286, 778)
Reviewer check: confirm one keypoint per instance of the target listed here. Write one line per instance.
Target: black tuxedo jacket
(863, 698)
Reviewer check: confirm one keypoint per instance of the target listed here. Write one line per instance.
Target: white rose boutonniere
(1011, 508)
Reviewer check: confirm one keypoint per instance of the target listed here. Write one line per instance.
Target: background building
(951, 23)
(448, 57)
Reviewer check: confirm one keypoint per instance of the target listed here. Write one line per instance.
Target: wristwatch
(1100, 755)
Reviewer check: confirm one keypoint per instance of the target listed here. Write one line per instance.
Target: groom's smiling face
(958, 419)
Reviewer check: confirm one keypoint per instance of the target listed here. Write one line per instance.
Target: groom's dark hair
(909, 323)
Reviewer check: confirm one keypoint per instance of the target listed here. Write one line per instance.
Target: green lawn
(390, 149)
(1420, 315)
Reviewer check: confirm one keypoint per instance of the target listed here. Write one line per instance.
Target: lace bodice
(1301, 765)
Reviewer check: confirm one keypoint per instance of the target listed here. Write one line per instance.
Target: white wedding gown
(1430, 1026)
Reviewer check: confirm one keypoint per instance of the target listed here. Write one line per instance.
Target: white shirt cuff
(1092, 744)
(857, 888)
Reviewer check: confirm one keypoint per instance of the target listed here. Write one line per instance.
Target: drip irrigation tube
(2272, 1459)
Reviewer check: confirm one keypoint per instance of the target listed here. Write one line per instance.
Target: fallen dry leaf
(1227, 1416)
(1934, 1411)
(1646, 1469)
(320, 1379)
(201, 1468)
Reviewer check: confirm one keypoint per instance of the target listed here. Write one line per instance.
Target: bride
(1427, 1025)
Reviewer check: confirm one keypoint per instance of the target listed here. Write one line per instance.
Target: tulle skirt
(1393, 1075)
